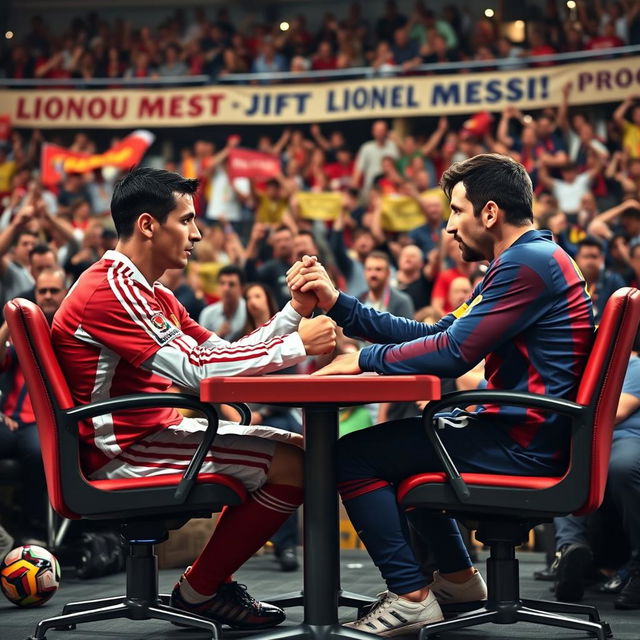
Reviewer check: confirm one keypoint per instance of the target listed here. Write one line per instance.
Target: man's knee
(287, 466)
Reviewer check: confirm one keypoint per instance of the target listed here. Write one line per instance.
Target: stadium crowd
(186, 44)
(585, 169)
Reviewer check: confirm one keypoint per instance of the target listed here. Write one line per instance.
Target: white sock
(190, 594)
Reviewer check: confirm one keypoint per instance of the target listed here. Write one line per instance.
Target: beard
(469, 254)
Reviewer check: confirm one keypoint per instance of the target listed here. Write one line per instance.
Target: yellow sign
(401, 213)
(270, 211)
(319, 206)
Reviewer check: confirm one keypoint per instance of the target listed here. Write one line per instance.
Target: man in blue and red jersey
(530, 319)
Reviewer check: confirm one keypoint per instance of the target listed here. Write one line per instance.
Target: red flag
(252, 164)
(56, 161)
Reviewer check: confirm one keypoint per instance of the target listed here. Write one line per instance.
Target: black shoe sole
(573, 569)
(256, 627)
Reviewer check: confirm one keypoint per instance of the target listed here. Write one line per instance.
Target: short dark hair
(306, 232)
(41, 249)
(362, 231)
(590, 241)
(231, 270)
(379, 255)
(146, 191)
(24, 232)
(491, 176)
(632, 213)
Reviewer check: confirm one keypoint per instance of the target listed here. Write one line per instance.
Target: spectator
(406, 52)
(601, 282)
(172, 66)
(324, 58)
(380, 295)
(428, 235)
(16, 242)
(608, 39)
(410, 277)
(228, 316)
(460, 269)
(383, 61)
(269, 60)
(630, 128)
(142, 67)
(273, 272)
(571, 187)
(41, 257)
(459, 291)
(370, 155)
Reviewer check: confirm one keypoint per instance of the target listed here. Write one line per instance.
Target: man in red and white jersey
(119, 331)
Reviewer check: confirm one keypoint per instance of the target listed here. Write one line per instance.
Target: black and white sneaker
(231, 605)
(392, 615)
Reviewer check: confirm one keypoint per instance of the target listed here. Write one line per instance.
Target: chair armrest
(176, 400)
(481, 396)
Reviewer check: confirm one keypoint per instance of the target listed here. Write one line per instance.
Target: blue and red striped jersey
(530, 319)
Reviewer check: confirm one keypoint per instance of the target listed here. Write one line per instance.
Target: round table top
(305, 389)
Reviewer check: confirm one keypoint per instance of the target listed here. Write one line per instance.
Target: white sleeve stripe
(242, 348)
(115, 287)
(223, 355)
(199, 354)
(129, 291)
(182, 343)
(147, 309)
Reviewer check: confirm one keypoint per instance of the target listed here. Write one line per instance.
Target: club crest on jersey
(163, 329)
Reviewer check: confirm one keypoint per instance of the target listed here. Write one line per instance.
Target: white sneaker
(393, 615)
(446, 592)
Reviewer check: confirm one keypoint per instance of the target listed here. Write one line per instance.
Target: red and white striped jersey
(116, 334)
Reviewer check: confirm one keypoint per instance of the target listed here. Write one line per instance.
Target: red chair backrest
(46, 384)
(602, 380)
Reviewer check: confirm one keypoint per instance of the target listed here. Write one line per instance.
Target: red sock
(240, 532)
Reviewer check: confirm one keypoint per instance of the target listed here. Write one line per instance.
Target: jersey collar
(117, 256)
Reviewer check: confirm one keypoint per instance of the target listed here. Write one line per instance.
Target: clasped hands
(311, 287)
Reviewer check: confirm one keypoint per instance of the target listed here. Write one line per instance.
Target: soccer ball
(29, 575)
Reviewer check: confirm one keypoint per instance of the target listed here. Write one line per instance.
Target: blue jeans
(387, 454)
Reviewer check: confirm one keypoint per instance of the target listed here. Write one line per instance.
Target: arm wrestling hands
(310, 284)
(318, 334)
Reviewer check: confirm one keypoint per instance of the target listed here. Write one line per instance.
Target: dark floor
(264, 578)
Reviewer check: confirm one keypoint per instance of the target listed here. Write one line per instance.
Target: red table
(320, 399)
